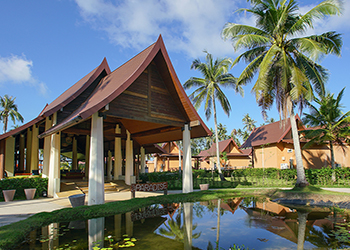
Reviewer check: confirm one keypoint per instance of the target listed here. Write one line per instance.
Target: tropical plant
(249, 123)
(328, 123)
(9, 109)
(285, 59)
(215, 73)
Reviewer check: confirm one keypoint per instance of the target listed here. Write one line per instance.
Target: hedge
(21, 183)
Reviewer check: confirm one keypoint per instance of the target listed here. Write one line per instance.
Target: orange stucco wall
(272, 156)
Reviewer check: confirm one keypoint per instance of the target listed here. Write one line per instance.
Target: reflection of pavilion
(282, 220)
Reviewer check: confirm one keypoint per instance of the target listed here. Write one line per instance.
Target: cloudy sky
(46, 46)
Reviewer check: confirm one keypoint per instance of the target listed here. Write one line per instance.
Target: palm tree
(249, 123)
(9, 109)
(286, 60)
(331, 124)
(209, 90)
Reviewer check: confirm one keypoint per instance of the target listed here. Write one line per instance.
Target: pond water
(241, 221)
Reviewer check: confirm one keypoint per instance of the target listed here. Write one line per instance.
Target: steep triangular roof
(75, 90)
(270, 133)
(114, 84)
(64, 99)
(222, 147)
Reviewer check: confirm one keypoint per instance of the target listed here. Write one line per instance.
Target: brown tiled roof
(222, 146)
(75, 90)
(119, 80)
(270, 133)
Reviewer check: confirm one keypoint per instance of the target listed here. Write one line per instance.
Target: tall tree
(9, 109)
(285, 59)
(215, 75)
(330, 124)
(249, 123)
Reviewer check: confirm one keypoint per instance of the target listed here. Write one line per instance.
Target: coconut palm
(330, 124)
(249, 123)
(286, 61)
(209, 90)
(9, 109)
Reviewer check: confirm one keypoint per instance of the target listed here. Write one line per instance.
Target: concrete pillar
(129, 225)
(2, 158)
(129, 160)
(21, 152)
(28, 150)
(74, 154)
(34, 159)
(109, 165)
(47, 149)
(187, 178)
(155, 162)
(118, 159)
(53, 236)
(96, 232)
(118, 226)
(87, 156)
(143, 160)
(54, 169)
(10, 156)
(96, 172)
(188, 216)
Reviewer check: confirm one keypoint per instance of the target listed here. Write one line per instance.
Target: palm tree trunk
(218, 165)
(301, 179)
(218, 225)
(302, 219)
(5, 123)
(332, 155)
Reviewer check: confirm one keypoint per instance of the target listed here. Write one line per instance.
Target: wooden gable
(148, 99)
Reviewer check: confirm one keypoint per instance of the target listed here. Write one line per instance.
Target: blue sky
(47, 46)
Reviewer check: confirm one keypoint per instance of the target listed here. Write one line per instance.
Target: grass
(13, 234)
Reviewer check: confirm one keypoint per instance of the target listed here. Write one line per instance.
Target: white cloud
(17, 69)
(188, 26)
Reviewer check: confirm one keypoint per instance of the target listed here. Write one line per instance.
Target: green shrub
(21, 183)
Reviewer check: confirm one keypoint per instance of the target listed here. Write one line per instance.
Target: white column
(129, 225)
(187, 179)
(187, 217)
(109, 165)
(47, 149)
(96, 232)
(54, 169)
(74, 154)
(87, 156)
(10, 156)
(143, 160)
(118, 160)
(34, 159)
(129, 160)
(96, 173)
(21, 152)
(155, 162)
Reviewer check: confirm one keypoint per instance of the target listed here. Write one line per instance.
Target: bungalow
(272, 147)
(235, 157)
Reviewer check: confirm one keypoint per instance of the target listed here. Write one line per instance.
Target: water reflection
(215, 224)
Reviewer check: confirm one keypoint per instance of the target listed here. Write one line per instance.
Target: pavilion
(108, 114)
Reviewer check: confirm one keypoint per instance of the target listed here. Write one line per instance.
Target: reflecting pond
(248, 223)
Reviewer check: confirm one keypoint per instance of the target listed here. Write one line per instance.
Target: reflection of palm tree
(322, 238)
(176, 229)
(302, 217)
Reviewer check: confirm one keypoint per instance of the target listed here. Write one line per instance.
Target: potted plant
(29, 192)
(9, 194)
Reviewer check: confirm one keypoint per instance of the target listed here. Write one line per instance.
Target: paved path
(14, 211)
